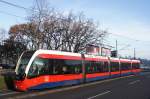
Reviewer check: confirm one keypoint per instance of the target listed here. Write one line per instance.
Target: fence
(6, 71)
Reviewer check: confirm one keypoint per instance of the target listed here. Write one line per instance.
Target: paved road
(133, 87)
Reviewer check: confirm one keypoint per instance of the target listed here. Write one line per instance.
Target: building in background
(96, 50)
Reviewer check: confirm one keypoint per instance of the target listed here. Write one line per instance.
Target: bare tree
(79, 31)
(50, 29)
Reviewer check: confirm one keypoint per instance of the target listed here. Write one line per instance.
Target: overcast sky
(126, 18)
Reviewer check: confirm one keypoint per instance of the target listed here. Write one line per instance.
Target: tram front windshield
(24, 62)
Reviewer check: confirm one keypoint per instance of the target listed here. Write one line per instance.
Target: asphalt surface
(132, 87)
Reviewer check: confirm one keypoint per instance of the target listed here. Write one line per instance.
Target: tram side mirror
(23, 76)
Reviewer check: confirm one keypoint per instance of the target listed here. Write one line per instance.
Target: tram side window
(125, 66)
(96, 67)
(114, 66)
(106, 69)
(61, 66)
(73, 66)
(93, 67)
(88, 67)
(58, 66)
(103, 67)
(39, 66)
(135, 65)
(99, 66)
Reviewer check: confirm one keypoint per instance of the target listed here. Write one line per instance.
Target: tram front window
(24, 62)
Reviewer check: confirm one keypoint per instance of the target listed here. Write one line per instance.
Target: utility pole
(116, 48)
(134, 54)
(101, 48)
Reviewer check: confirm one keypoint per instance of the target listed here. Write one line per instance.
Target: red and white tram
(47, 68)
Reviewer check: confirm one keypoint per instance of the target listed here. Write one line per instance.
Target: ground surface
(133, 87)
